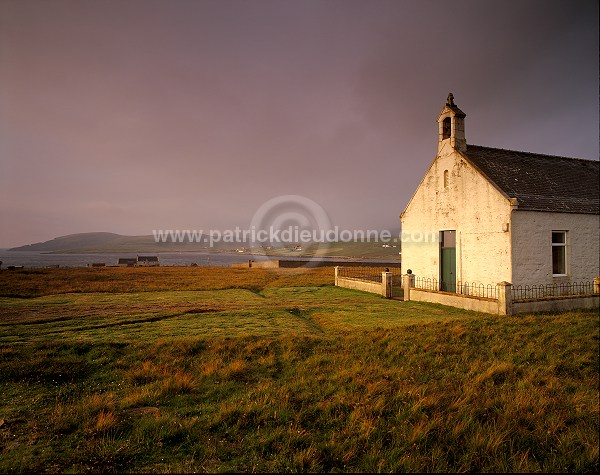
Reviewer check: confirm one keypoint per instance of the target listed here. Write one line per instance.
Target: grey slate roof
(541, 182)
(127, 260)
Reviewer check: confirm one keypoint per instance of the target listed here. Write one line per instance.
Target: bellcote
(451, 124)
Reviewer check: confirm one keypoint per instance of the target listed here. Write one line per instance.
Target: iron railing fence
(425, 283)
(477, 289)
(471, 289)
(519, 292)
(372, 274)
(532, 292)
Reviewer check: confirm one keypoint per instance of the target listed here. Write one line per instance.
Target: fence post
(504, 298)
(597, 285)
(337, 272)
(386, 284)
(406, 281)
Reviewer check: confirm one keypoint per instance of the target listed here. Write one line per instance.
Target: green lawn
(283, 372)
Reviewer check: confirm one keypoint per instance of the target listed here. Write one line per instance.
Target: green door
(448, 261)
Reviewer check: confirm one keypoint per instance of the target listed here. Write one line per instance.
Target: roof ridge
(533, 153)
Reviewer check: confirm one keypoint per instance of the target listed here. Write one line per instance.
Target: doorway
(448, 261)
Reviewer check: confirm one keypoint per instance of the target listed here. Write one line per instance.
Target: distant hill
(100, 242)
(108, 242)
(72, 241)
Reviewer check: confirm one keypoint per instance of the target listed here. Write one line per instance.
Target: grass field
(215, 369)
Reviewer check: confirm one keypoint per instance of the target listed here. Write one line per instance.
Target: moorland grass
(38, 282)
(282, 372)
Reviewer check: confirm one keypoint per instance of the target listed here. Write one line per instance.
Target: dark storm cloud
(128, 116)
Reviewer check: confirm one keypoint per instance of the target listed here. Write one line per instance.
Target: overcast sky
(128, 116)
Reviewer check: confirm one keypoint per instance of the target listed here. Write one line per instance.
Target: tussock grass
(306, 378)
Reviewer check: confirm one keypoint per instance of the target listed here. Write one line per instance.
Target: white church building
(501, 215)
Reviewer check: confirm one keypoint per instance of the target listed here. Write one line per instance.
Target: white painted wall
(473, 207)
(532, 246)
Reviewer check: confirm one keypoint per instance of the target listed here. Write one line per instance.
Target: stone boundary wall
(383, 288)
(466, 302)
(557, 304)
(504, 304)
(357, 284)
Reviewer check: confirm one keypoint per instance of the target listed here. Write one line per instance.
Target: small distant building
(148, 261)
(127, 262)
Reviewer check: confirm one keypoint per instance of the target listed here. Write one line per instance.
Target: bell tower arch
(451, 125)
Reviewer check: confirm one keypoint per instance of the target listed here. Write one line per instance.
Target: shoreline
(39, 259)
(216, 252)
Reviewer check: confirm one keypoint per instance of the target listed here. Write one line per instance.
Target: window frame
(563, 246)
